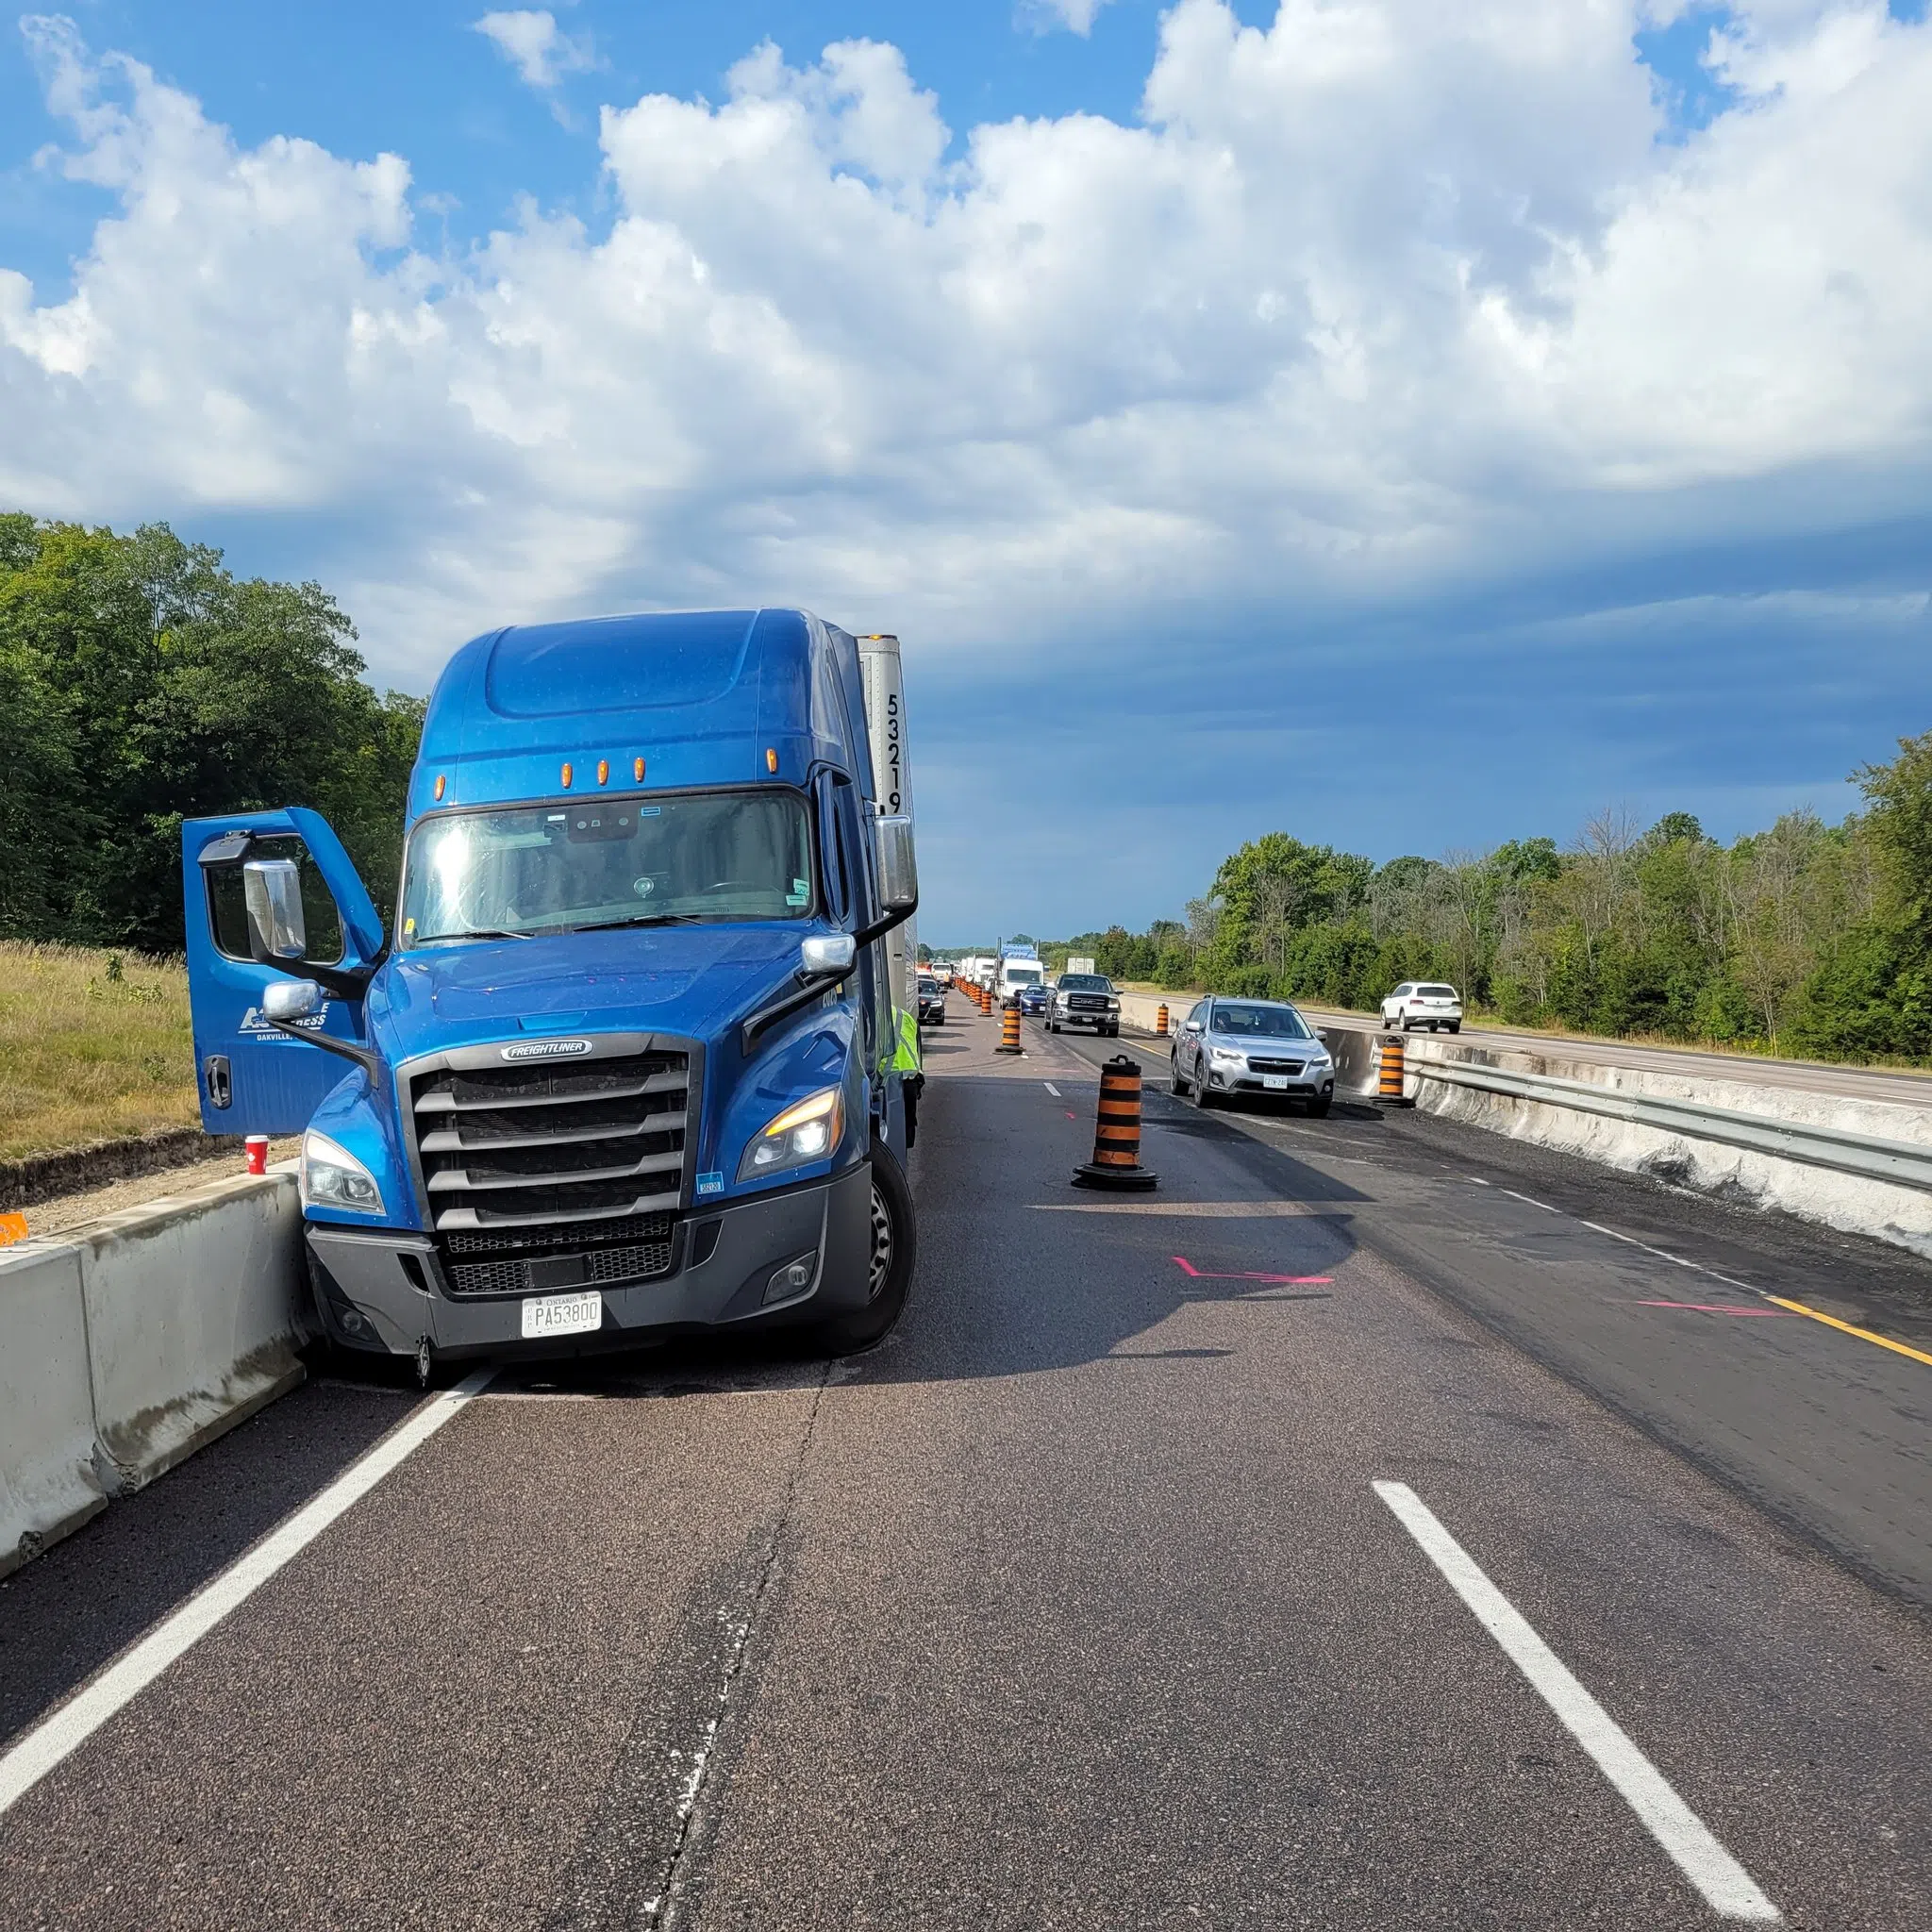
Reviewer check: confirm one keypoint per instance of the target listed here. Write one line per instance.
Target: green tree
(149, 685)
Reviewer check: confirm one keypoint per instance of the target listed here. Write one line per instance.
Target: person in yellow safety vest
(906, 1057)
(903, 1060)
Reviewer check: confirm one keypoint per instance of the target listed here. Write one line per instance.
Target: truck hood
(691, 979)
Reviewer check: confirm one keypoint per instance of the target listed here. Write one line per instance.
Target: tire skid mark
(632, 1869)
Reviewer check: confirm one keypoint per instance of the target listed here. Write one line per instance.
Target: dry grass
(93, 1046)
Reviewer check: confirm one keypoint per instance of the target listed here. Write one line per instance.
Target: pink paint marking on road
(1712, 1309)
(1189, 1269)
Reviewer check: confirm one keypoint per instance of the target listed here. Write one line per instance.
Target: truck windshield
(617, 861)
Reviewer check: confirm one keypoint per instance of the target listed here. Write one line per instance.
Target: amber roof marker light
(566, 776)
(637, 770)
(770, 759)
(603, 771)
(441, 786)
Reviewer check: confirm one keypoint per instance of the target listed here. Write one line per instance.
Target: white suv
(1423, 1003)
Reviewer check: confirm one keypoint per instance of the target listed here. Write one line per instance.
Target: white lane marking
(1534, 1203)
(1696, 1266)
(1478, 1180)
(57, 1736)
(1051, 1088)
(1728, 1888)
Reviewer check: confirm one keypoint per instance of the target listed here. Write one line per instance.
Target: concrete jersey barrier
(1863, 1165)
(127, 1343)
(48, 1483)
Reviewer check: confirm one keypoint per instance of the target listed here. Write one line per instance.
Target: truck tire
(895, 1249)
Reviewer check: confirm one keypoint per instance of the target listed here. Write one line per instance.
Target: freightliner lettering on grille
(556, 1168)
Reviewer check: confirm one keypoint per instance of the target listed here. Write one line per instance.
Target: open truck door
(269, 896)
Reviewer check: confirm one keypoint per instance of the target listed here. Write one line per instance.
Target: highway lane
(1074, 1605)
(1655, 1301)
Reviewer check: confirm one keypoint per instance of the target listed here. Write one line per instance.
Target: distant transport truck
(631, 1060)
(1079, 965)
(1017, 971)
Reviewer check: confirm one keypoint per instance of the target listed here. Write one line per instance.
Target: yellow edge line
(1863, 1333)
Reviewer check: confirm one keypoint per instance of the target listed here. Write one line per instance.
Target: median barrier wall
(192, 1318)
(49, 1484)
(1647, 1121)
(1828, 1135)
(129, 1343)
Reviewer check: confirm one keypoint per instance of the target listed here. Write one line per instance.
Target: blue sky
(1407, 427)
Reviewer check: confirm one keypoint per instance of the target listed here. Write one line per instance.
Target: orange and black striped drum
(1389, 1084)
(1160, 1019)
(1010, 1028)
(1116, 1161)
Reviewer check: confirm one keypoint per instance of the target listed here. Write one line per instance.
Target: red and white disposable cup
(257, 1152)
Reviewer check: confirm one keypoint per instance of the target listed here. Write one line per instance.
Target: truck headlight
(1113, 1006)
(806, 1131)
(332, 1178)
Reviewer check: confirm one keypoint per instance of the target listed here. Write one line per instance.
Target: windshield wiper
(640, 919)
(473, 932)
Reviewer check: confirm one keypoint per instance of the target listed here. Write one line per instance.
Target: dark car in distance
(932, 1001)
(1033, 999)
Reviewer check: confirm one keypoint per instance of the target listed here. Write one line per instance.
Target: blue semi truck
(631, 1062)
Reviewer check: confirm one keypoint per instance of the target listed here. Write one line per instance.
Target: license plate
(1275, 1082)
(562, 1314)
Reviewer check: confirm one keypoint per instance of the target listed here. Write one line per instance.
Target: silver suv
(1262, 1048)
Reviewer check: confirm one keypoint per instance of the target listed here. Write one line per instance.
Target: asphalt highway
(1346, 1534)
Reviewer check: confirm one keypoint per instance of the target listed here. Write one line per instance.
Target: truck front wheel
(895, 1249)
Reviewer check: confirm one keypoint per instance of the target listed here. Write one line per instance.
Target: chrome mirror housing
(293, 999)
(898, 865)
(827, 956)
(271, 890)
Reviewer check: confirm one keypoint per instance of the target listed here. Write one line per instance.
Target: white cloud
(536, 46)
(1385, 298)
(1076, 16)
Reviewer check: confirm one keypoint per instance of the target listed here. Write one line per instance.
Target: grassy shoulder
(95, 1045)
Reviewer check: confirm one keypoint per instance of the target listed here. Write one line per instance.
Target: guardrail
(1901, 1162)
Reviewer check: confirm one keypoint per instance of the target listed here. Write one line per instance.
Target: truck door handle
(221, 1089)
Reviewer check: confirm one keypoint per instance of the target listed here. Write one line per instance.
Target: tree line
(1804, 938)
(142, 683)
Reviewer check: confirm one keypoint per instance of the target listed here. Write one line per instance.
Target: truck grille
(589, 1145)
(606, 1256)
(1086, 1002)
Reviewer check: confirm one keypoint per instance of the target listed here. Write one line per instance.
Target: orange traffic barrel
(1010, 1028)
(1160, 1019)
(1116, 1161)
(1389, 1087)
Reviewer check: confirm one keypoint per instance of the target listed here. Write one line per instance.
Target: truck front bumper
(385, 1291)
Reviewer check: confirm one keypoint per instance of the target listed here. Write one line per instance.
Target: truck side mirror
(291, 999)
(898, 865)
(827, 955)
(272, 889)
